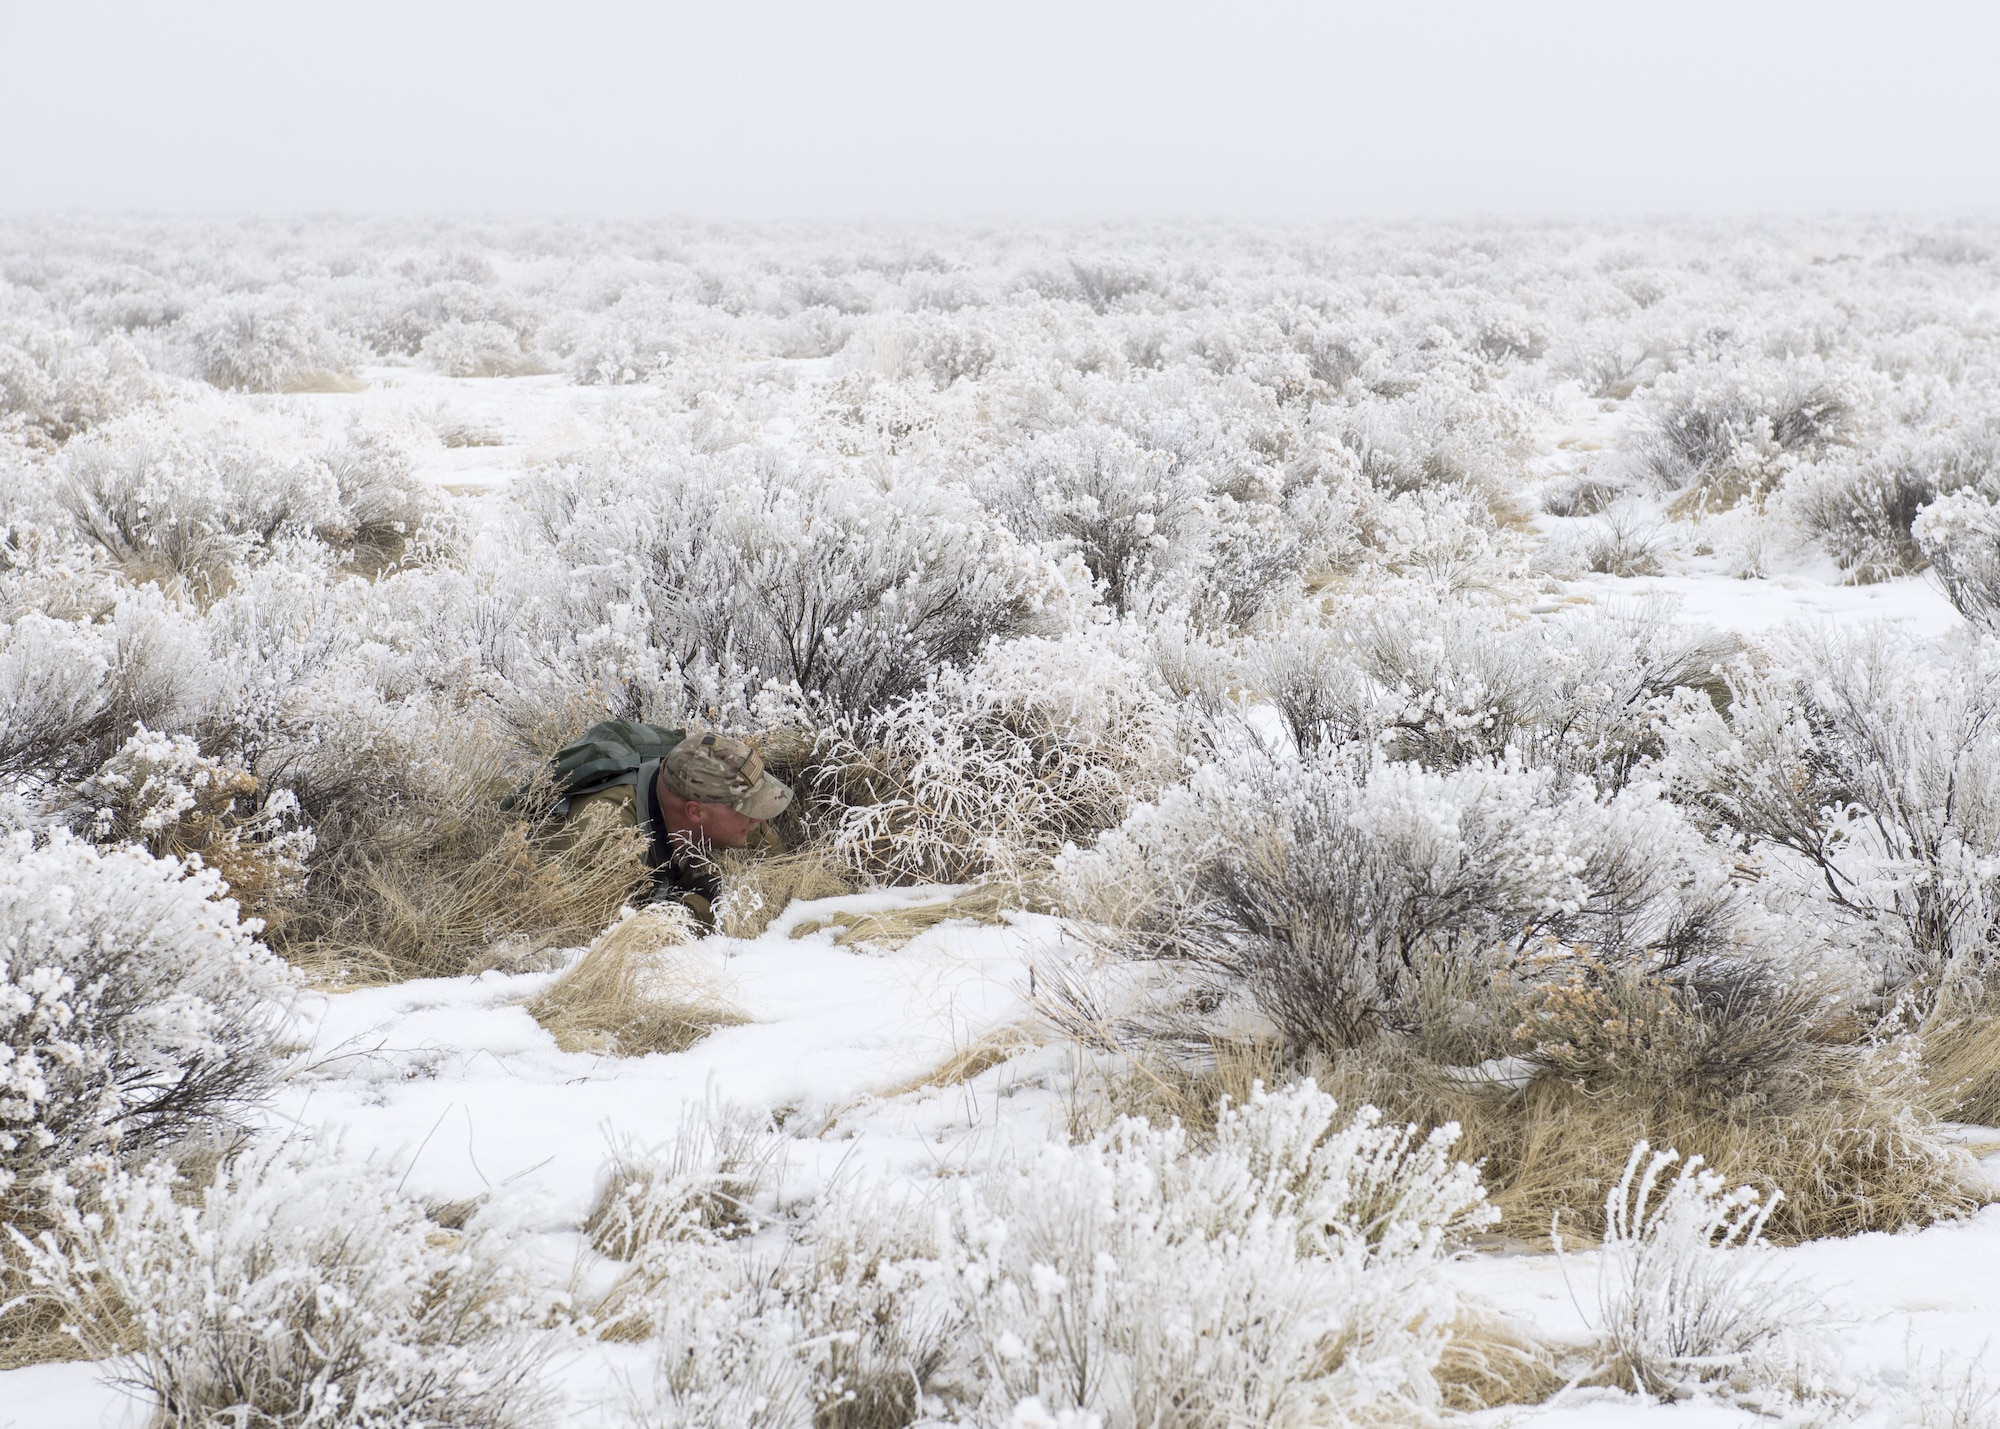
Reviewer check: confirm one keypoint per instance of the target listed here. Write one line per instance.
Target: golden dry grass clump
(434, 876)
(638, 989)
(1861, 1155)
(35, 1327)
(893, 927)
(32, 1326)
(975, 1058)
(1490, 1361)
(1858, 1157)
(756, 890)
(1852, 1163)
(1962, 1056)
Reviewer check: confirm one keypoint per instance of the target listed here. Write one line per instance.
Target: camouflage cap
(722, 769)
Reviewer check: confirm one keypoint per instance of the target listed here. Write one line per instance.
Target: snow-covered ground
(452, 1083)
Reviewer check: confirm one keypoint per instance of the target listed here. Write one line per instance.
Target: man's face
(721, 825)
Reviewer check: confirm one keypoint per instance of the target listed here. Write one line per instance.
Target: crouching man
(689, 793)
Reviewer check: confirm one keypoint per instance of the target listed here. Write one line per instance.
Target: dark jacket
(680, 874)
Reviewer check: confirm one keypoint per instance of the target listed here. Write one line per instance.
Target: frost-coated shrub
(879, 1329)
(849, 1327)
(299, 1292)
(1865, 515)
(1327, 887)
(1440, 433)
(1687, 1301)
(194, 498)
(1284, 1275)
(1865, 506)
(990, 771)
(53, 385)
(727, 1356)
(1135, 515)
(842, 593)
(1959, 534)
(1450, 541)
(476, 349)
(1872, 775)
(262, 342)
(135, 1009)
(1184, 495)
(161, 792)
(1624, 540)
(842, 1324)
(1445, 683)
(1727, 433)
(1287, 1276)
(54, 693)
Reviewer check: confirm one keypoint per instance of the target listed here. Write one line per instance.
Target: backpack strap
(639, 777)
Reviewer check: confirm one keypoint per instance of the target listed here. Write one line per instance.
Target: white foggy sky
(1018, 108)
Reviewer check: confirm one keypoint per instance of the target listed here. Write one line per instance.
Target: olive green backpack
(606, 754)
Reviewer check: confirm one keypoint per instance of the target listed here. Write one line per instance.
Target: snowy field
(1549, 561)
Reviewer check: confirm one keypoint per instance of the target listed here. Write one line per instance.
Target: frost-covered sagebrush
(298, 1291)
(161, 792)
(1873, 780)
(1327, 887)
(1445, 682)
(1270, 583)
(730, 573)
(994, 768)
(1286, 1276)
(135, 1009)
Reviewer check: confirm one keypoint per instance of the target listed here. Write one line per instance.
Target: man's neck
(682, 837)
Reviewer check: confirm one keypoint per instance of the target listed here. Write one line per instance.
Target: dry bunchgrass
(432, 877)
(33, 1326)
(703, 1185)
(36, 1327)
(892, 927)
(545, 726)
(1962, 1057)
(755, 891)
(1862, 1156)
(322, 380)
(1491, 1360)
(700, 1190)
(977, 1057)
(32, 1329)
(637, 990)
(1187, 1085)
